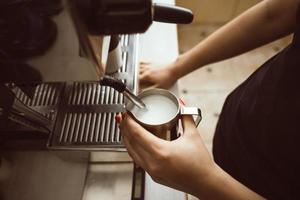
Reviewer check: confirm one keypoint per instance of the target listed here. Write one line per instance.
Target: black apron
(257, 139)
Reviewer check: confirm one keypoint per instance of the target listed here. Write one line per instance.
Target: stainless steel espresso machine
(53, 54)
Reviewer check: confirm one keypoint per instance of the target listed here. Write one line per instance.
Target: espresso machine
(53, 54)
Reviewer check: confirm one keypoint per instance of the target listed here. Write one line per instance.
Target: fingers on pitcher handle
(192, 111)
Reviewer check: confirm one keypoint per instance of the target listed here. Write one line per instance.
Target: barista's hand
(156, 76)
(181, 164)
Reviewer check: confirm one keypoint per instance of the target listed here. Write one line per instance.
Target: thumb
(188, 123)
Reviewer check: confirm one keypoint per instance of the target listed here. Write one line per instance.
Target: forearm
(221, 186)
(263, 23)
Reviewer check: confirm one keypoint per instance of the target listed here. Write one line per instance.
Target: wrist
(209, 184)
(220, 185)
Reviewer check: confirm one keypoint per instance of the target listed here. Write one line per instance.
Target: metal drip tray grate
(45, 95)
(93, 94)
(44, 100)
(81, 128)
(87, 117)
(87, 110)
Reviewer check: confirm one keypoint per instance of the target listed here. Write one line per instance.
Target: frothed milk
(159, 110)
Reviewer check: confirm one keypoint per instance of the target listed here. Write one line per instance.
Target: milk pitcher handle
(192, 111)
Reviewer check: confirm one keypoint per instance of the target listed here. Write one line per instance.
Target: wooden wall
(216, 11)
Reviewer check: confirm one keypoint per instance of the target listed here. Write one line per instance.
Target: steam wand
(122, 88)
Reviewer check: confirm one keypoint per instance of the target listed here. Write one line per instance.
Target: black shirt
(257, 138)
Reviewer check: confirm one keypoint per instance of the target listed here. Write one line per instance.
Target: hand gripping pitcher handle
(192, 111)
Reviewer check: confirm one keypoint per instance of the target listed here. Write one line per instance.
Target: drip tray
(87, 118)
(87, 110)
